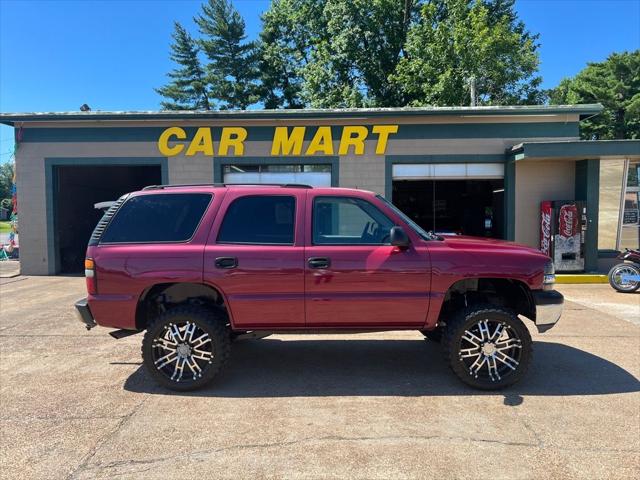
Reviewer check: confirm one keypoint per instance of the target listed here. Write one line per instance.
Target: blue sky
(57, 55)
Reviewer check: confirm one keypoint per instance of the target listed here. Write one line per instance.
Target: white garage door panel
(416, 171)
(315, 179)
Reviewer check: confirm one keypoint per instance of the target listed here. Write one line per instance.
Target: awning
(575, 150)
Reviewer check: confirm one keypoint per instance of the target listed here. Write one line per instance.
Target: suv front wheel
(488, 347)
(186, 347)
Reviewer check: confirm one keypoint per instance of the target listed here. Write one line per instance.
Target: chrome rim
(491, 350)
(621, 271)
(182, 351)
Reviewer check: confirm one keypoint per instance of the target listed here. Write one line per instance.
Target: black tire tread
(216, 319)
(452, 330)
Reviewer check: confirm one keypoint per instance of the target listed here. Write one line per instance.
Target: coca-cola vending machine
(563, 224)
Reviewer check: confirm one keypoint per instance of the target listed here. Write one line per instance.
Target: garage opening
(76, 190)
(458, 199)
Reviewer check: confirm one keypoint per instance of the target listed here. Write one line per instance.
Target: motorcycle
(625, 276)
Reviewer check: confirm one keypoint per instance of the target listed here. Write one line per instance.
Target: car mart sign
(286, 141)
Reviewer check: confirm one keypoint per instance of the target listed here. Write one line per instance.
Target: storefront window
(629, 233)
(314, 175)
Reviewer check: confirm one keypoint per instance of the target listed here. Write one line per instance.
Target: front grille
(104, 221)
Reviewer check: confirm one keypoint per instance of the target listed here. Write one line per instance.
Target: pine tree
(232, 67)
(188, 87)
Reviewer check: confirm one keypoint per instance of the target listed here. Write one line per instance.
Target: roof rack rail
(177, 185)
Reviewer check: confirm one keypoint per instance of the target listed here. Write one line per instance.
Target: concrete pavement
(78, 405)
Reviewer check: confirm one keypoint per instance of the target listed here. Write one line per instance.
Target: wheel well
(163, 296)
(505, 292)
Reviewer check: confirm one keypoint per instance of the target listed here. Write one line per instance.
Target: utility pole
(472, 91)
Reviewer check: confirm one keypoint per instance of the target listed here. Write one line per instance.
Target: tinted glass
(349, 221)
(157, 218)
(259, 219)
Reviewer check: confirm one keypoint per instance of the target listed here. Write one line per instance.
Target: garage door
(314, 175)
(447, 171)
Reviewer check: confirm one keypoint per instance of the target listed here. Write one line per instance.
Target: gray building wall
(365, 172)
(536, 182)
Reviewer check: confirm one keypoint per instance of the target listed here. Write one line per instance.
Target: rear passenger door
(255, 256)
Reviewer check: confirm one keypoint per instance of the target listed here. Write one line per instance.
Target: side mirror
(399, 238)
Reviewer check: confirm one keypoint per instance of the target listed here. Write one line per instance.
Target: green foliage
(188, 87)
(378, 53)
(352, 53)
(232, 60)
(359, 45)
(283, 49)
(615, 83)
(333, 53)
(457, 42)
(6, 180)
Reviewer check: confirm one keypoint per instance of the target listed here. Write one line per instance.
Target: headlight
(549, 276)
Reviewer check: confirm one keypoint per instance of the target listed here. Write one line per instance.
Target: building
(473, 170)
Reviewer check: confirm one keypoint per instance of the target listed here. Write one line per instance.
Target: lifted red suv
(197, 266)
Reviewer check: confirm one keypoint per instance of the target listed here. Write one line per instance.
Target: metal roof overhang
(582, 111)
(575, 150)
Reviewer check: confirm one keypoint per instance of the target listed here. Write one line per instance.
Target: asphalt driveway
(77, 404)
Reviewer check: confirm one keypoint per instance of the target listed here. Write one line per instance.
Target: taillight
(90, 275)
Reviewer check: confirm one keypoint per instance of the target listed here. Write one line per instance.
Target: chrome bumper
(549, 305)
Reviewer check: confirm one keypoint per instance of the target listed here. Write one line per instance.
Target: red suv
(198, 266)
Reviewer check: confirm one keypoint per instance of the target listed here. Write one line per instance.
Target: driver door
(353, 277)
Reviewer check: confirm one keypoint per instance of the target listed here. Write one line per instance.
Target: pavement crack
(82, 466)
(202, 454)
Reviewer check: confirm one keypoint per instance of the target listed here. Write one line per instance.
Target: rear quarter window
(157, 218)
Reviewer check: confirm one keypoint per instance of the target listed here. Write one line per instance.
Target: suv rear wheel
(186, 347)
(488, 347)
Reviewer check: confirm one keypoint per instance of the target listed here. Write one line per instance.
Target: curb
(581, 278)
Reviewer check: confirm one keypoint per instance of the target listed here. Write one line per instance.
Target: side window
(259, 219)
(169, 217)
(348, 221)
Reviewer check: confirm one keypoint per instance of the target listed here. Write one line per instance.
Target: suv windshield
(416, 228)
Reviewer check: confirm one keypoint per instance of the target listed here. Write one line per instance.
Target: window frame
(226, 212)
(159, 242)
(313, 223)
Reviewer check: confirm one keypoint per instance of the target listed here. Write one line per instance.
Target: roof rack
(177, 185)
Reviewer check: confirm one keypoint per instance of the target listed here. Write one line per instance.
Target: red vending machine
(563, 224)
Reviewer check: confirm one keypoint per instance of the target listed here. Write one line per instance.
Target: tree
(362, 45)
(188, 87)
(615, 83)
(6, 180)
(370, 53)
(353, 53)
(333, 53)
(459, 42)
(283, 51)
(232, 60)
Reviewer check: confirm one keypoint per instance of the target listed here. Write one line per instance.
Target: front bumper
(549, 305)
(84, 313)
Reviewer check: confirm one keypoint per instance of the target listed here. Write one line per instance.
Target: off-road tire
(468, 318)
(434, 335)
(209, 320)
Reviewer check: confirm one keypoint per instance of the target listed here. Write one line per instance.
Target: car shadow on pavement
(273, 368)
